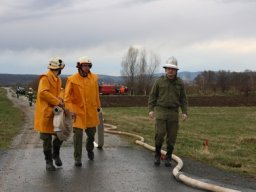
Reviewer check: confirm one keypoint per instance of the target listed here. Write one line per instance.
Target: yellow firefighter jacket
(82, 98)
(47, 97)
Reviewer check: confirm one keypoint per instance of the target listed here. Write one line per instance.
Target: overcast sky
(201, 34)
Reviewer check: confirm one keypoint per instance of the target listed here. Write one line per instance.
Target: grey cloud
(21, 10)
(235, 1)
(106, 30)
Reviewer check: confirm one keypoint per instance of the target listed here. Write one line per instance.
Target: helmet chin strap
(59, 72)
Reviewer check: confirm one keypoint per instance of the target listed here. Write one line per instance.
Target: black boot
(90, 154)
(157, 155)
(50, 166)
(78, 163)
(49, 162)
(56, 156)
(168, 159)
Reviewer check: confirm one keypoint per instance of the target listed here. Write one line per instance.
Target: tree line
(224, 82)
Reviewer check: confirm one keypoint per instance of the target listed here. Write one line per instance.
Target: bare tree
(138, 68)
(129, 68)
(225, 81)
(153, 64)
(142, 73)
(207, 81)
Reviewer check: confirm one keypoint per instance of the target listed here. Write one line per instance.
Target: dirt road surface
(119, 166)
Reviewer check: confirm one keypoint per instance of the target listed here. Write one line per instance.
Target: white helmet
(172, 63)
(56, 63)
(83, 60)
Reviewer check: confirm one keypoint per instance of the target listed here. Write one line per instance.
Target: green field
(231, 132)
(10, 120)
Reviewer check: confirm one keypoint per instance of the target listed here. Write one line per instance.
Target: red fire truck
(106, 89)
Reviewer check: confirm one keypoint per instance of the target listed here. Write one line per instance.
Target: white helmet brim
(168, 65)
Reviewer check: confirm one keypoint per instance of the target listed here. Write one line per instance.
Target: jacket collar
(77, 78)
(52, 78)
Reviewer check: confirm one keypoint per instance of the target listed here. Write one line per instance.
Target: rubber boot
(49, 162)
(90, 154)
(168, 159)
(50, 166)
(78, 163)
(157, 155)
(56, 156)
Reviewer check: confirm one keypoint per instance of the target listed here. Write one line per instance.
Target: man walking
(166, 96)
(48, 97)
(82, 98)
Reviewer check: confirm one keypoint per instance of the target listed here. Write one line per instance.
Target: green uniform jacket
(166, 97)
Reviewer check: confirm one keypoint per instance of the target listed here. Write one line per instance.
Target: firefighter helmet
(56, 63)
(83, 60)
(171, 63)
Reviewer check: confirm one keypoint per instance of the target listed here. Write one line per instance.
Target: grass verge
(231, 132)
(10, 120)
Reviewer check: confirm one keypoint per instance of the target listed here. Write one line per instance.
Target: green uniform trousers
(48, 143)
(168, 128)
(78, 139)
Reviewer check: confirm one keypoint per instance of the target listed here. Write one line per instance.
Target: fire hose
(176, 171)
(63, 125)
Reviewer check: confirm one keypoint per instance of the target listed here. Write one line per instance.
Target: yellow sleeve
(44, 92)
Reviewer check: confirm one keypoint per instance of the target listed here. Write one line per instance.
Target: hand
(184, 117)
(151, 114)
(61, 105)
(73, 116)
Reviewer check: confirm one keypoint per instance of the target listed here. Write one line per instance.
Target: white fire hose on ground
(63, 125)
(176, 171)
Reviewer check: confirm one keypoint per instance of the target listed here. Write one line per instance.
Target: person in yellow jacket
(82, 98)
(47, 97)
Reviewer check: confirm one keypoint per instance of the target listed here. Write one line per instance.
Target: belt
(171, 108)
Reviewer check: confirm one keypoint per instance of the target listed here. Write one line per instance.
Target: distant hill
(110, 79)
(24, 79)
(188, 76)
(16, 79)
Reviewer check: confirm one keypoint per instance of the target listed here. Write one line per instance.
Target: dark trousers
(168, 128)
(78, 140)
(50, 147)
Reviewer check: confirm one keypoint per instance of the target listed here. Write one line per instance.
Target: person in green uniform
(30, 96)
(166, 97)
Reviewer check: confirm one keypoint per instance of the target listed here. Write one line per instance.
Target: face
(170, 72)
(85, 67)
(56, 72)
